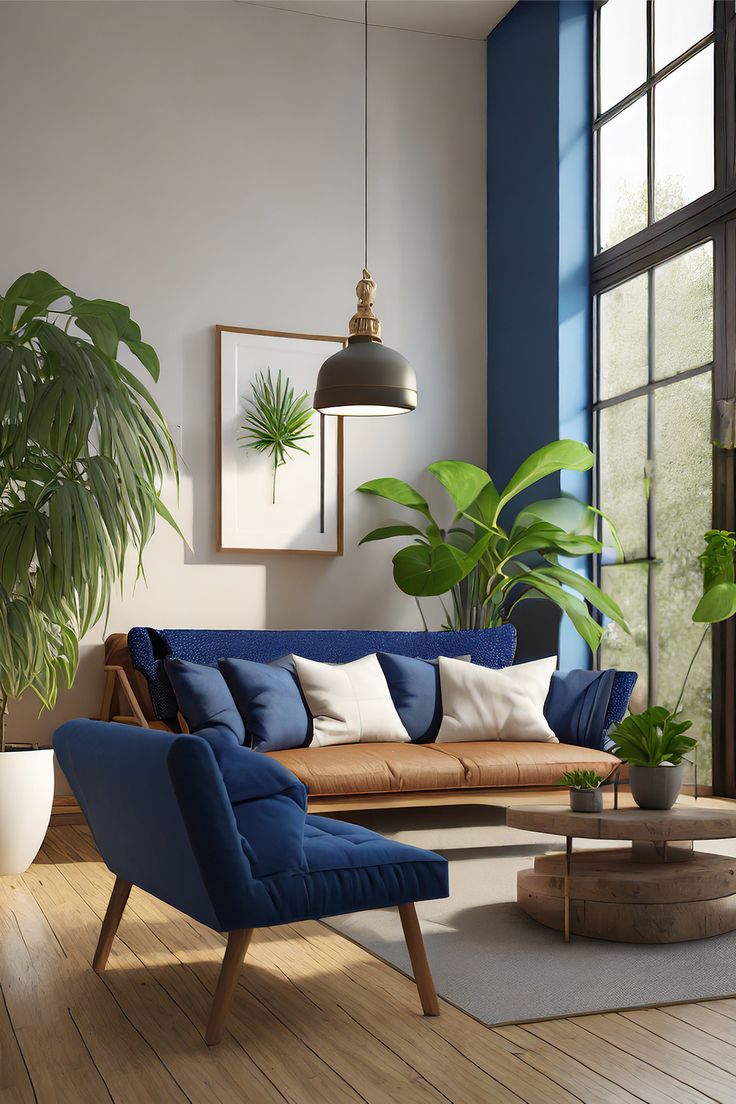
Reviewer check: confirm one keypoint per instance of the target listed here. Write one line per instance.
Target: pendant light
(365, 379)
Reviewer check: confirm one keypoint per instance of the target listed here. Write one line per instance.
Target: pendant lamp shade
(365, 379)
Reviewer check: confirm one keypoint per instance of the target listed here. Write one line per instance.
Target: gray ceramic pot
(586, 801)
(656, 787)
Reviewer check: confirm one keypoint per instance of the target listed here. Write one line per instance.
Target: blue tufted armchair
(222, 833)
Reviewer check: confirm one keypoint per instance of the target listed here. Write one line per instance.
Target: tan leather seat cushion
(372, 768)
(496, 763)
(392, 768)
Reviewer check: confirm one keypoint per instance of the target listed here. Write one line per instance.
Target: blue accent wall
(539, 249)
(523, 234)
(574, 311)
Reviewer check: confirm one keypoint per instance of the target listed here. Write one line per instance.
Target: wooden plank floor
(316, 1019)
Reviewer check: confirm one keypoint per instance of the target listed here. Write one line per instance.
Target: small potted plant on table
(586, 795)
(654, 745)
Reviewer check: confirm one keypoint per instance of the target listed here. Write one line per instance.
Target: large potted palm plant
(83, 453)
(490, 559)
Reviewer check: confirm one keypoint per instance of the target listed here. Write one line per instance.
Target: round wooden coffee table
(659, 890)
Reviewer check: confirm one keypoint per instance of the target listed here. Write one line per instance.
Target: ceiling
(457, 18)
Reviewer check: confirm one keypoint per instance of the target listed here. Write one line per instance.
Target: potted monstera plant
(83, 453)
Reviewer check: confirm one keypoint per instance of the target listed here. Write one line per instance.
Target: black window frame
(709, 217)
(645, 89)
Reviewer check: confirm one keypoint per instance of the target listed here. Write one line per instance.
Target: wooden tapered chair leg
(237, 945)
(419, 962)
(116, 905)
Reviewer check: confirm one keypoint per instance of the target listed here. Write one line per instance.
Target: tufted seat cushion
(494, 763)
(351, 868)
(393, 768)
(371, 768)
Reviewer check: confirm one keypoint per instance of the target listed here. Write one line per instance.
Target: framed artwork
(279, 462)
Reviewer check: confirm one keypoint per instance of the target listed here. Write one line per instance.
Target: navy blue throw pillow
(414, 685)
(577, 706)
(270, 702)
(203, 697)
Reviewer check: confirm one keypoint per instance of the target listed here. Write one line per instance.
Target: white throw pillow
(350, 702)
(481, 704)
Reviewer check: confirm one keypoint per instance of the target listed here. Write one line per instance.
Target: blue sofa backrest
(149, 647)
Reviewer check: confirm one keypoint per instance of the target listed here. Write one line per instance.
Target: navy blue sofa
(581, 709)
(222, 834)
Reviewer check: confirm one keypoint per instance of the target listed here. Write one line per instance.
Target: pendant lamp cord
(365, 137)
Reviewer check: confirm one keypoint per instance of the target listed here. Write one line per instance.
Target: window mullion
(723, 101)
(724, 508)
(652, 385)
(596, 133)
(650, 114)
(600, 119)
(651, 476)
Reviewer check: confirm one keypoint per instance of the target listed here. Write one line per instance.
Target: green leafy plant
(276, 421)
(581, 779)
(653, 737)
(488, 564)
(83, 453)
(718, 602)
(656, 734)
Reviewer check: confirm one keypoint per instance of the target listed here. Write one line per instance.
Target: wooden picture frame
(323, 533)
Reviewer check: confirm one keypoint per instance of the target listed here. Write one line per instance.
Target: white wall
(202, 162)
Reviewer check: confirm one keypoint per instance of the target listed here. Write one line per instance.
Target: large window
(654, 449)
(654, 128)
(665, 342)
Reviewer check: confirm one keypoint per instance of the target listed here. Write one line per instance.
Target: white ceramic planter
(26, 796)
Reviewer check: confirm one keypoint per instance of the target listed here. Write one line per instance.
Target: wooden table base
(613, 896)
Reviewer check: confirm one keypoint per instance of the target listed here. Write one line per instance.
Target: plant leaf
(593, 594)
(717, 560)
(557, 456)
(397, 530)
(463, 482)
(146, 354)
(396, 490)
(34, 290)
(483, 511)
(543, 537)
(717, 604)
(422, 571)
(575, 609)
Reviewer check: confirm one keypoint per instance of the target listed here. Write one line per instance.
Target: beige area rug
(493, 961)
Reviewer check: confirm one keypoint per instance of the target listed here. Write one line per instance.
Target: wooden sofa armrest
(115, 674)
(117, 677)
